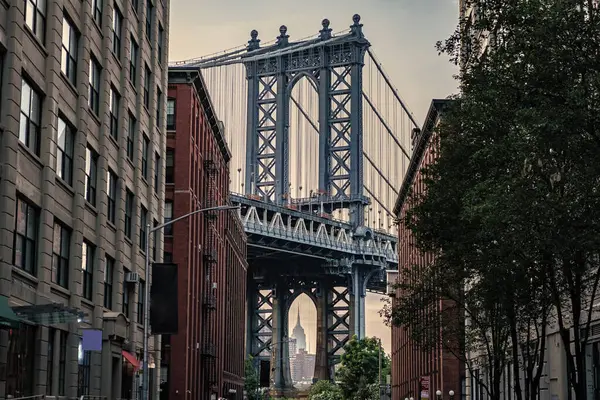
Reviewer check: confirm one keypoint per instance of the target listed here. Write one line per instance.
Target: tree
(325, 390)
(251, 382)
(360, 366)
(511, 208)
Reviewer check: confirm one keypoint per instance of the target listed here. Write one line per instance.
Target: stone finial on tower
(254, 42)
(282, 39)
(325, 33)
(356, 27)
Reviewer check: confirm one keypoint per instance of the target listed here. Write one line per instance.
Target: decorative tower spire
(325, 33)
(356, 27)
(298, 320)
(254, 42)
(282, 39)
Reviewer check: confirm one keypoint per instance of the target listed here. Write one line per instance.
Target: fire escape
(210, 284)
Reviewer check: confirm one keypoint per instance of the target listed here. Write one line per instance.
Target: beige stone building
(82, 117)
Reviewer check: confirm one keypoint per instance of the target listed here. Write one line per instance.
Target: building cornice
(429, 125)
(179, 75)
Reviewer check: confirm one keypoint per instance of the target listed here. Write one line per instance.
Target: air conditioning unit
(391, 276)
(132, 277)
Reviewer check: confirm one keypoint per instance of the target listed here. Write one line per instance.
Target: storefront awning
(49, 314)
(131, 359)
(8, 318)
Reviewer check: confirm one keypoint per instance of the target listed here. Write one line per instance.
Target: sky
(403, 34)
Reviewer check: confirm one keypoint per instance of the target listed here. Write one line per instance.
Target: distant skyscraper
(298, 334)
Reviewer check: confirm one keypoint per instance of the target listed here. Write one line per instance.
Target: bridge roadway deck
(275, 227)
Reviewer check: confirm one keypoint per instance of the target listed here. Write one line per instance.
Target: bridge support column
(321, 356)
(281, 378)
(357, 303)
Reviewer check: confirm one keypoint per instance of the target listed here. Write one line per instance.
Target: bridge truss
(320, 141)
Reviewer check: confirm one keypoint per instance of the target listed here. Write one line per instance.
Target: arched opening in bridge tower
(303, 139)
(302, 331)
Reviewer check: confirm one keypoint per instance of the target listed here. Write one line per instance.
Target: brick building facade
(206, 356)
(409, 363)
(81, 144)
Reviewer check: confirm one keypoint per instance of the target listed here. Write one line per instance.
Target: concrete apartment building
(206, 356)
(416, 372)
(81, 173)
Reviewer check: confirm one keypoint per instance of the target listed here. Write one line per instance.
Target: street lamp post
(149, 231)
(438, 394)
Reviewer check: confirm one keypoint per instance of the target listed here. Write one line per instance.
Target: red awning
(132, 360)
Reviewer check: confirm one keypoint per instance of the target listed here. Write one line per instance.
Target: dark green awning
(8, 318)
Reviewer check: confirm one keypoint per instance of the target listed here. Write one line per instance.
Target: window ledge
(111, 225)
(98, 29)
(87, 302)
(36, 41)
(91, 207)
(56, 287)
(94, 116)
(70, 85)
(113, 140)
(25, 275)
(61, 182)
(30, 154)
(128, 240)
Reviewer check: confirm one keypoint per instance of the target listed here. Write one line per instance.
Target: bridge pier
(357, 302)
(322, 364)
(281, 377)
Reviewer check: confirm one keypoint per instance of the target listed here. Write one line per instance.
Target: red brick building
(205, 359)
(412, 367)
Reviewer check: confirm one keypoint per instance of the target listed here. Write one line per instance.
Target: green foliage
(360, 367)
(325, 390)
(512, 207)
(251, 382)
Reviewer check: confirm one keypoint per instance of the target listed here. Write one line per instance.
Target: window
(149, 9)
(145, 146)
(91, 172)
(61, 244)
(25, 240)
(170, 114)
(114, 100)
(156, 172)
(31, 115)
(147, 79)
(94, 95)
(155, 241)
(35, 17)
(64, 156)
(159, 49)
(158, 106)
(117, 25)
(125, 305)
(140, 303)
(83, 373)
(109, 270)
(62, 363)
(130, 137)
(170, 167)
(133, 61)
(87, 266)
(168, 217)
(128, 213)
(111, 194)
(20, 361)
(50, 360)
(68, 59)
(167, 257)
(135, 4)
(97, 10)
(143, 228)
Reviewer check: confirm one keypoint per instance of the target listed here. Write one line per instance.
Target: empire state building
(298, 334)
